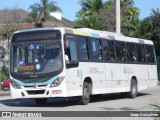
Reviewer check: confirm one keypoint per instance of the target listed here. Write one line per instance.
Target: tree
(129, 17)
(155, 18)
(88, 15)
(41, 12)
(144, 29)
(107, 16)
(149, 28)
(8, 29)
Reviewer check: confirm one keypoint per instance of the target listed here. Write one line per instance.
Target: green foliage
(88, 15)
(129, 17)
(98, 15)
(4, 74)
(144, 29)
(155, 18)
(149, 28)
(107, 17)
(41, 12)
(156, 107)
(8, 29)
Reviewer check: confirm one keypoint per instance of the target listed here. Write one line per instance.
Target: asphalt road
(109, 102)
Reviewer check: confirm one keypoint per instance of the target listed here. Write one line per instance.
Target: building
(19, 16)
(12, 20)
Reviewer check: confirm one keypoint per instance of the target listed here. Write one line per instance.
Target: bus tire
(41, 101)
(133, 91)
(85, 98)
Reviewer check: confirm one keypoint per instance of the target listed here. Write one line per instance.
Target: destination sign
(40, 35)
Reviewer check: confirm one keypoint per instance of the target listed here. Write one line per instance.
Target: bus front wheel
(85, 98)
(133, 91)
(41, 101)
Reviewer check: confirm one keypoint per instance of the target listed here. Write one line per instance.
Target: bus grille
(32, 86)
(35, 92)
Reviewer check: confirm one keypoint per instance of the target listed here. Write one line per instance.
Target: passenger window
(95, 49)
(131, 52)
(111, 50)
(83, 48)
(120, 51)
(105, 47)
(141, 52)
(150, 54)
(70, 48)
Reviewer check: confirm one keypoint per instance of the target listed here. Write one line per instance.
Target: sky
(70, 7)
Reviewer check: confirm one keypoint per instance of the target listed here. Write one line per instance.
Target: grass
(156, 107)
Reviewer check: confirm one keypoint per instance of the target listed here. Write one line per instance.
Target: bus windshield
(36, 57)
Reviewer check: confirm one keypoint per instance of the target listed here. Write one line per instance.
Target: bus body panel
(76, 77)
(106, 77)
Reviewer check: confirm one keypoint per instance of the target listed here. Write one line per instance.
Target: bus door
(72, 73)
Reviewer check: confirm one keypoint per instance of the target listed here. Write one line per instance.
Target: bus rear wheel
(133, 91)
(41, 101)
(85, 98)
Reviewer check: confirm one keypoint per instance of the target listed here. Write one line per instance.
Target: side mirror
(72, 64)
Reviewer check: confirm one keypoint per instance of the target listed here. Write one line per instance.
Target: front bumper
(40, 92)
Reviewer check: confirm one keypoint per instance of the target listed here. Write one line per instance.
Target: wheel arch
(89, 80)
(134, 78)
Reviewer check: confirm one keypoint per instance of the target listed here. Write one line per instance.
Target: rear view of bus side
(65, 62)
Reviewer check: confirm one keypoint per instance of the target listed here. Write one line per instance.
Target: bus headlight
(15, 85)
(57, 82)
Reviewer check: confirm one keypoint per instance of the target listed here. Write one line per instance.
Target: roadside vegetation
(156, 106)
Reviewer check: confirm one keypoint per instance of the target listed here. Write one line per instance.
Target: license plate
(6, 88)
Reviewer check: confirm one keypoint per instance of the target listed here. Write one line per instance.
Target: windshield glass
(36, 54)
(36, 58)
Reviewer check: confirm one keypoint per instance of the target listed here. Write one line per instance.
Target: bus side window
(141, 53)
(70, 49)
(111, 50)
(83, 48)
(131, 52)
(150, 54)
(105, 47)
(120, 51)
(95, 49)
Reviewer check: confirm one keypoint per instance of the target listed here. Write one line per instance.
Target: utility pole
(118, 17)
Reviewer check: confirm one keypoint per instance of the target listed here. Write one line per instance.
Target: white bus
(64, 62)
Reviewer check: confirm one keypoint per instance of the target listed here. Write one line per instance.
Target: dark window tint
(83, 48)
(141, 52)
(131, 52)
(105, 47)
(111, 50)
(150, 54)
(120, 51)
(95, 49)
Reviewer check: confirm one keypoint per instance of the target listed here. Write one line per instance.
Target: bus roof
(93, 33)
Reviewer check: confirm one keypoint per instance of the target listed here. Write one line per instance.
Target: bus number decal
(93, 70)
(26, 68)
